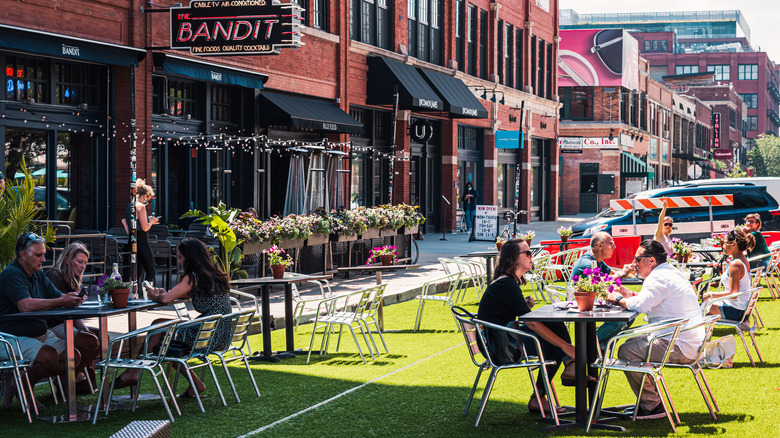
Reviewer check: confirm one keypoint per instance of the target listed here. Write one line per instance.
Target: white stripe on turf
(289, 417)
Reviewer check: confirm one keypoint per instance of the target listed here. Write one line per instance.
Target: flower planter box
(290, 243)
(317, 239)
(388, 233)
(409, 230)
(342, 237)
(371, 233)
(254, 247)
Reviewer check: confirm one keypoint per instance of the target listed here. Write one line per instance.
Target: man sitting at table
(602, 246)
(666, 294)
(24, 288)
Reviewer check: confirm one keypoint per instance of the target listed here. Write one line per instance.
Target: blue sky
(761, 15)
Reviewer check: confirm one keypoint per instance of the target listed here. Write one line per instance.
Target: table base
(274, 357)
(599, 424)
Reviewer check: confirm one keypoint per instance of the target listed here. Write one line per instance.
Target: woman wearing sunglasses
(753, 224)
(503, 302)
(664, 231)
(736, 278)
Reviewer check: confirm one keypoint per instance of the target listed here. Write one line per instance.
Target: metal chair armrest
(642, 330)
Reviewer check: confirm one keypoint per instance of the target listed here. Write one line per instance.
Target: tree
(765, 157)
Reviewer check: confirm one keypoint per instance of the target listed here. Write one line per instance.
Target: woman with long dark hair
(503, 302)
(736, 278)
(204, 282)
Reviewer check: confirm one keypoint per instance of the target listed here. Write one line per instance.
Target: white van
(772, 183)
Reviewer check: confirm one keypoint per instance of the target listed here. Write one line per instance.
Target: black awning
(458, 99)
(304, 112)
(64, 46)
(195, 68)
(414, 92)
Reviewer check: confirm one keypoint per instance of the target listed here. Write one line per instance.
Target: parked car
(772, 183)
(691, 223)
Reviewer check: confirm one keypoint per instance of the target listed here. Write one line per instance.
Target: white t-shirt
(667, 294)
(742, 301)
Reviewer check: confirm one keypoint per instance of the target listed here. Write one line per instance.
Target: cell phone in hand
(148, 285)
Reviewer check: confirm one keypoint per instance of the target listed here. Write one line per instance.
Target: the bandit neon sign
(235, 27)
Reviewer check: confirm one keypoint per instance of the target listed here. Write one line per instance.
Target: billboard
(598, 57)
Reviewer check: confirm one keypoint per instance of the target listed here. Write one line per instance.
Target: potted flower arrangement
(682, 250)
(386, 254)
(500, 241)
(591, 285)
(564, 233)
(529, 236)
(114, 286)
(718, 239)
(279, 260)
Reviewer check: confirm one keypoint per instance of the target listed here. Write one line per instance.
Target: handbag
(720, 352)
(505, 347)
(176, 349)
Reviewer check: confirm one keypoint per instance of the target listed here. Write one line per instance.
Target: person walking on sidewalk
(469, 199)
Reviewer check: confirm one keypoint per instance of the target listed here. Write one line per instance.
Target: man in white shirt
(666, 294)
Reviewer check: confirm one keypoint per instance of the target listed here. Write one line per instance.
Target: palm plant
(18, 210)
(219, 223)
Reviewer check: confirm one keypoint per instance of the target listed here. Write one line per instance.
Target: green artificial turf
(420, 389)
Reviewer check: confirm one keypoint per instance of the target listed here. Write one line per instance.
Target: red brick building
(310, 127)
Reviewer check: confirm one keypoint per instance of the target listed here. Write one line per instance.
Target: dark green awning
(414, 92)
(458, 99)
(197, 69)
(64, 46)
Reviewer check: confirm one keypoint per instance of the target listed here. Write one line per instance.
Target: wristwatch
(617, 300)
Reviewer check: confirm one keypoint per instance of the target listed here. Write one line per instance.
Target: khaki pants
(635, 350)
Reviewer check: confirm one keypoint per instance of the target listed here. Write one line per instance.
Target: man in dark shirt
(24, 288)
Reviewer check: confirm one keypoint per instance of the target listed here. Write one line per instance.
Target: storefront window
(29, 146)
(26, 78)
(506, 185)
(358, 192)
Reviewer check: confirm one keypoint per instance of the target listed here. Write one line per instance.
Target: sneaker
(657, 412)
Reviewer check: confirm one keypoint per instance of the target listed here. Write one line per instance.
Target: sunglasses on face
(751, 221)
(668, 224)
(638, 259)
(528, 253)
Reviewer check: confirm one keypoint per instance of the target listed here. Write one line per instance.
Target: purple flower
(576, 278)
(618, 281)
(611, 288)
(587, 271)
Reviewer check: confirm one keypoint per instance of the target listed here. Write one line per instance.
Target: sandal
(533, 407)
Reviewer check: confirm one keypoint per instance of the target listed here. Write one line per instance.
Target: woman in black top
(208, 287)
(144, 194)
(503, 302)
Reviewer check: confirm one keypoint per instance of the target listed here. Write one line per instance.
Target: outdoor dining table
(378, 269)
(585, 346)
(488, 256)
(264, 284)
(89, 309)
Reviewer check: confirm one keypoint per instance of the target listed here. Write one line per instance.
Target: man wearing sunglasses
(666, 294)
(24, 288)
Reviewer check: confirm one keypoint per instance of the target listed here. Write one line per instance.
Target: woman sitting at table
(503, 302)
(66, 277)
(736, 278)
(208, 287)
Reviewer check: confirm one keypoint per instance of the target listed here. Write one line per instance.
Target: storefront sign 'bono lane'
(235, 27)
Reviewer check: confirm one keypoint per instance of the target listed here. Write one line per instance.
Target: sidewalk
(401, 285)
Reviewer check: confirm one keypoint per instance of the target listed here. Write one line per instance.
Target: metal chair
(235, 299)
(653, 369)
(429, 294)
(530, 363)
(336, 311)
(464, 320)
(151, 362)
(742, 325)
(371, 315)
(239, 334)
(756, 274)
(17, 369)
(301, 303)
(206, 328)
(696, 367)
(181, 311)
